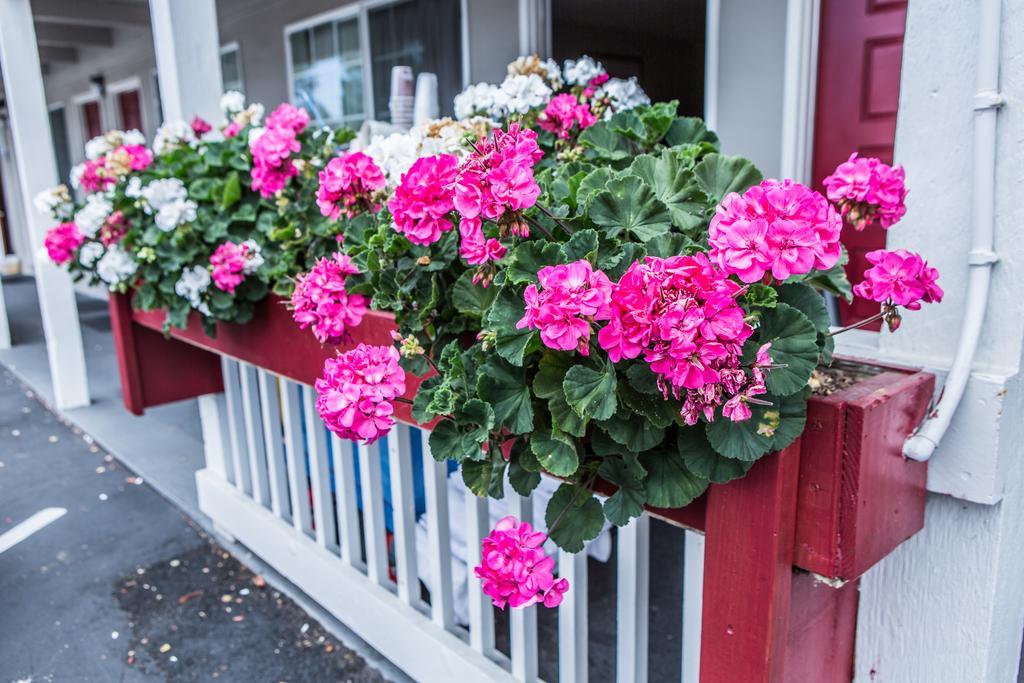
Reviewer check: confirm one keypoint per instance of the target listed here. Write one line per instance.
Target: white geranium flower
(525, 93)
(161, 192)
(133, 137)
(581, 71)
(393, 154)
(253, 257)
(192, 284)
(75, 176)
(91, 217)
(254, 134)
(174, 214)
(172, 135)
(232, 102)
(116, 266)
(90, 253)
(624, 94)
(55, 201)
(480, 99)
(554, 77)
(98, 147)
(133, 190)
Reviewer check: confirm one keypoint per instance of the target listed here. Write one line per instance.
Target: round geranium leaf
(669, 482)
(630, 205)
(718, 175)
(573, 517)
(794, 343)
(591, 392)
(702, 460)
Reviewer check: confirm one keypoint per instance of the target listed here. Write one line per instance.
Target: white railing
(314, 507)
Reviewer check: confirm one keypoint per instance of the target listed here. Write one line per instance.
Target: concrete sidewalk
(123, 586)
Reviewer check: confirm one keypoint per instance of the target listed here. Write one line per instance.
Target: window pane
(329, 83)
(300, 50)
(231, 71)
(418, 33)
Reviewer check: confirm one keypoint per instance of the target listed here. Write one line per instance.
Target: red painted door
(859, 60)
(92, 119)
(130, 108)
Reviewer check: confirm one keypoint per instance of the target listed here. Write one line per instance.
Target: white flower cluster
(91, 217)
(623, 95)
(116, 266)
(55, 202)
(90, 253)
(581, 71)
(253, 257)
(517, 94)
(111, 140)
(547, 69)
(523, 93)
(167, 200)
(232, 103)
(171, 135)
(395, 153)
(191, 286)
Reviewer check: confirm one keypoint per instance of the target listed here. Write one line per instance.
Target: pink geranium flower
(320, 299)
(114, 228)
(867, 190)
(422, 202)
(272, 149)
(569, 299)
(347, 185)
(900, 276)
(200, 126)
(288, 117)
(96, 177)
(778, 227)
(232, 129)
(355, 395)
(232, 262)
(62, 241)
(514, 570)
(565, 116)
(496, 180)
(476, 248)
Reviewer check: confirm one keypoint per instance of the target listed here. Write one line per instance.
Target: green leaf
(512, 343)
(629, 204)
(504, 386)
(702, 460)
(592, 183)
(628, 501)
(770, 428)
(794, 345)
(232, 191)
(551, 369)
(784, 420)
(669, 483)
(201, 189)
(760, 295)
(604, 143)
(807, 301)
(660, 411)
(657, 119)
(675, 185)
(528, 258)
(246, 213)
(689, 130)
(522, 480)
(447, 443)
(616, 263)
(485, 477)
(591, 392)
(582, 520)
(738, 440)
(582, 245)
(669, 244)
(555, 452)
(472, 299)
(629, 124)
(635, 431)
(718, 175)
(565, 418)
(833, 280)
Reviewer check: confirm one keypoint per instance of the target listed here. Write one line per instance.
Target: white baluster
(295, 456)
(435, 482)
(523, 621)
(572, 619)
(347, 508)
(254, 433)
(481, 611)
(632, 579)
(213, 418)
(270, 403)
(403, 512)
(374, 532)
(693, 603)
(236, 425)
(320, 476)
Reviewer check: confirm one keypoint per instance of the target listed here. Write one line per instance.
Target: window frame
(360, 11)
(236, 47)
(126, 85)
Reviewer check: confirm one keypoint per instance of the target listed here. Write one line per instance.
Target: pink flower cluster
(422, 202)
(200, 126)
(867, 190)
(514, 570)
(347, 185)
(95, 176)
(900, 276)
(778, 227)
(229, 263)
(271, 165)
(571, 297)
(477, 248)
(99, 175)
(61, 242)
(321, 300)
(114, 228)
(681, 314)
(565, 116)
(356, 391)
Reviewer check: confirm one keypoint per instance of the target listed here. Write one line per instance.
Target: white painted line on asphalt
(31, 525)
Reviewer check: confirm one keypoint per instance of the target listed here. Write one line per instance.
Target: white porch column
(187, 47)
(37, 170)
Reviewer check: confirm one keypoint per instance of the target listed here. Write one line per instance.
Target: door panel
(129, 108)
(859, 60)
(92, 119)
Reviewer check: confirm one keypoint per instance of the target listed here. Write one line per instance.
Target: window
(340, 67)
(231, 68)
(61, 148)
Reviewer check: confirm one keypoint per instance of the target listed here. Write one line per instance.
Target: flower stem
(572, 501)
(539, 227)
(859, 323)
(544, 210)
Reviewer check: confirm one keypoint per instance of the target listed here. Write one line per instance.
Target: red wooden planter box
(834, 503)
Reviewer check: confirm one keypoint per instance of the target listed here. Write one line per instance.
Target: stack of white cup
(401, 103)
(426, 106)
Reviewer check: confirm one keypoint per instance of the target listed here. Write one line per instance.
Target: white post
(187, 58)
(37, 170)
(5, 325)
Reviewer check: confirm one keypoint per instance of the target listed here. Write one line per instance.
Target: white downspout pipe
(981, 257)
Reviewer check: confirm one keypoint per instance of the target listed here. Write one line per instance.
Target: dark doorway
(661, 42)
(61, 149)
(129, 107)
(92, 119)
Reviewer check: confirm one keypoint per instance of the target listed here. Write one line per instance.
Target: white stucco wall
(948, 605)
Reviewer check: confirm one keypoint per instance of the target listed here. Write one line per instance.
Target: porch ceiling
(92, 12)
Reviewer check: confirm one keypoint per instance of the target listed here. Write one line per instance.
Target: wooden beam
(73, 34)
(57, 53)
(92, 13)
(30, 125)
